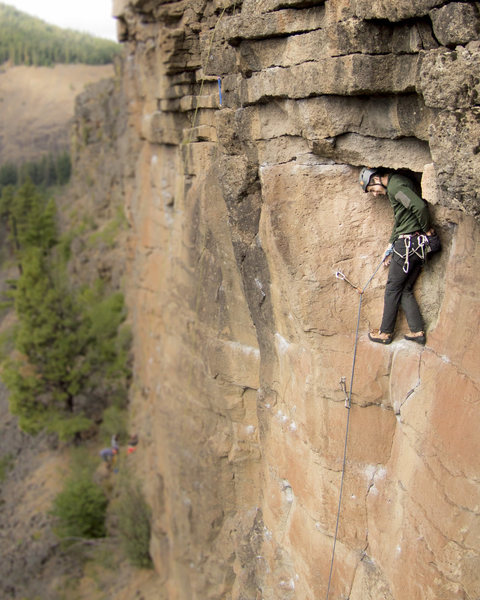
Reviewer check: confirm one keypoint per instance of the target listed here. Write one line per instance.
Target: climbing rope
(348, 404)
(219, 80)
(210, 44)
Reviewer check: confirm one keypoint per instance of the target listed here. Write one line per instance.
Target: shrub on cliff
(114, 422)
(134, 516)
(80, 509)
(6, 463)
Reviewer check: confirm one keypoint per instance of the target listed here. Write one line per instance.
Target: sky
(86, 16)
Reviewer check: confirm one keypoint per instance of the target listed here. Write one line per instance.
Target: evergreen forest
(47, 171)
(26, 40)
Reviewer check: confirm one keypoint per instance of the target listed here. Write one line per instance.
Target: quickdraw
(340, 275)
(420, 249)
(219, 79)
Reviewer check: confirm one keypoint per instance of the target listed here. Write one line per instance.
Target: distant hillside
(26, 40)
(36, 106)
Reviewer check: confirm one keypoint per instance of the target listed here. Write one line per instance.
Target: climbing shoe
(420, 338)
(380, 337)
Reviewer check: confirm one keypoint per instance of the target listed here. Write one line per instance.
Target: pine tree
(71, 356)
(8, 174)
(32, 218)
(47, 342)
(63, 168)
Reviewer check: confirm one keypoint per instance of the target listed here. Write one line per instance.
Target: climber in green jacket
(406, 253)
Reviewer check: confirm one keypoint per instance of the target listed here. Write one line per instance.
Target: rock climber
(406, 253)
(108, 455)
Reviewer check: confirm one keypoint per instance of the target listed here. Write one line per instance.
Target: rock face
(249, 122)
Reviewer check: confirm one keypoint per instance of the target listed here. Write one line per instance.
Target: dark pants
(399, 292)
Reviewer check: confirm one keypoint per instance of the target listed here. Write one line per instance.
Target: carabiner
(340, 275)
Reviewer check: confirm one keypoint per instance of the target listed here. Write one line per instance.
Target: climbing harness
(419, 247)
(348, 404)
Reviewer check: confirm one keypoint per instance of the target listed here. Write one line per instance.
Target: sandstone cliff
(246, 124)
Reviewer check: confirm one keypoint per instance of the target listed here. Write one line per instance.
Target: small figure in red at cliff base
(132, 443)
(412, 238)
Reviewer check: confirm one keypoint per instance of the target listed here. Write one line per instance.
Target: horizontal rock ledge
(347, 75)
(407, 153)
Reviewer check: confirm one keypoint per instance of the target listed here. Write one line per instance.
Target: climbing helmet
(365, 175)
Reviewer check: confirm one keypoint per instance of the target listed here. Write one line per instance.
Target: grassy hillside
(26, 40)
(36, 106)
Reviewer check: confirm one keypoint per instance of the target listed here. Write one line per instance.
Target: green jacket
(409, 210)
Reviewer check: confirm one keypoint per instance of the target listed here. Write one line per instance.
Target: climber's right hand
(387, 256)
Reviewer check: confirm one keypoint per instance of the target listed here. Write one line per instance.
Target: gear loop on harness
(418, 249)
(408, 243)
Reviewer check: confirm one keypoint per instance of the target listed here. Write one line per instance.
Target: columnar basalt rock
(252, 119)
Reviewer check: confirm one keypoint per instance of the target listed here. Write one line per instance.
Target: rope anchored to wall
(348, 404)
